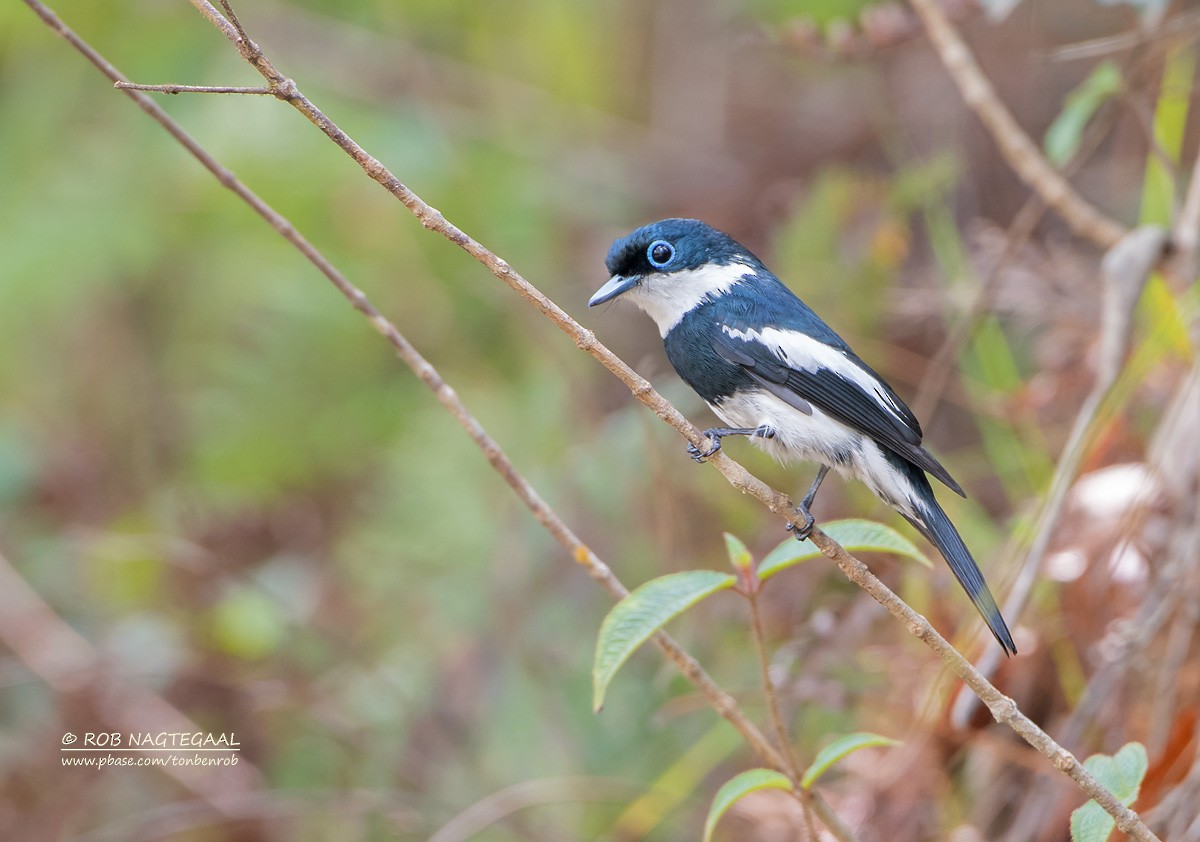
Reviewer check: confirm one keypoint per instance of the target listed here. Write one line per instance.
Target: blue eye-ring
(660, 253)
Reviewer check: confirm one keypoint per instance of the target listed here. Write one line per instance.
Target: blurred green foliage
(216, 471)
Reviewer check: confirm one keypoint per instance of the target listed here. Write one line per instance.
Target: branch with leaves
(645, 611)
(720, 700)
(1003, 709)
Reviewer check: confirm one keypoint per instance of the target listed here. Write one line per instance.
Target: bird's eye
(660, 253)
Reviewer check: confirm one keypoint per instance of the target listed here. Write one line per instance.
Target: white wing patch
(667, 298)
(799, 350)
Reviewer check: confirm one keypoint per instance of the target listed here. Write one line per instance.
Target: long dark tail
(932, 522)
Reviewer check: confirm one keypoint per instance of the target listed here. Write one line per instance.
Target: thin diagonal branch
(1003, 709)
(1021, 153)
(721, 701)
(194, 89)
(1184, 27)
(433, 220)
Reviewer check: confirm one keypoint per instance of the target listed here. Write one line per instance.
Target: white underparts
(820, 439)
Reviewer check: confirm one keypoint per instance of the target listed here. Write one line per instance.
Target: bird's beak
(616, 285)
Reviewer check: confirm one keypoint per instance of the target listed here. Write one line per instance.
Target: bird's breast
(690, 349)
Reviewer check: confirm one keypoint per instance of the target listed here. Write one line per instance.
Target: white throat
(668, 298)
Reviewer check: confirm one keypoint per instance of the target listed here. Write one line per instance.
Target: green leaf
(739, 556)
(838, 749)
(1122, 773)
(1063, 137)
(739, 787)
(638, 616)
(853, 534)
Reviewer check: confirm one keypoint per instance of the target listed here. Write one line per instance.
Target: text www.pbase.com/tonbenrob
(173, 760)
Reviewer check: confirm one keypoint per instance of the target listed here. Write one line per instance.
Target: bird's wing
(800, 369)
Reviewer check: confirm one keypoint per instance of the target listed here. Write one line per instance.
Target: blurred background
(224, 502)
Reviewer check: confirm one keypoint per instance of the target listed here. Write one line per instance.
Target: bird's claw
(699, 455)
(802, 532)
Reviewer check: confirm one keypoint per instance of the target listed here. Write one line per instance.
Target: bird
(772, 370)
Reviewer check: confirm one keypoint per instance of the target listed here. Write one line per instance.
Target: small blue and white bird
(770, 368)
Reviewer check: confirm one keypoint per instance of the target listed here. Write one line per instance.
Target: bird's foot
(699, 455)
(802, 532)
(715, 434)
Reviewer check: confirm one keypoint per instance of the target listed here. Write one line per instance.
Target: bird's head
(669, 267)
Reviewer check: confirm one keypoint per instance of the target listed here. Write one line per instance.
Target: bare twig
(1002, 708)
(1021, 153)
(721, 701)
(432, 219)
(1185, 23)
(193, 89)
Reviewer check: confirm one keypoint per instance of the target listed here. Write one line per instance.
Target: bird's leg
(802, 532)
(715, 434)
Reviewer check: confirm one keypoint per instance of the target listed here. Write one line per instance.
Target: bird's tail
(929, 519)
